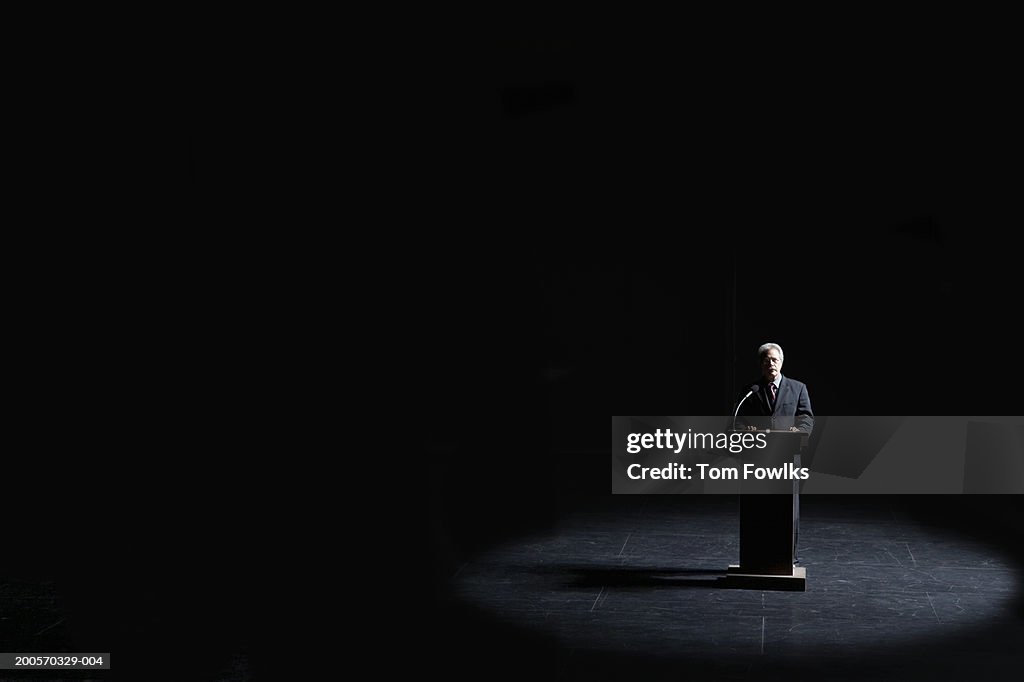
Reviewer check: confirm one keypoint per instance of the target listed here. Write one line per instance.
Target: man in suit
(780, 404)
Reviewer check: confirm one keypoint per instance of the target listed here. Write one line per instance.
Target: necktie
(773, 389)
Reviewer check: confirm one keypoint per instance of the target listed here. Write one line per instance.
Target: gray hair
(767, 347)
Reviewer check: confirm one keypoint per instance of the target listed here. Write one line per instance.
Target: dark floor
(43, 615)
(626, 588)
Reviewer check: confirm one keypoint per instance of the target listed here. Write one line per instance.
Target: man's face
(771, 365)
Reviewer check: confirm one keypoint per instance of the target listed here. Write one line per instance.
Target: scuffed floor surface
(628, 588)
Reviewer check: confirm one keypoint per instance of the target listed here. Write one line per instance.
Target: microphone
(754, 388)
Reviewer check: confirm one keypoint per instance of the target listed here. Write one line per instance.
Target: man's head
(770, 355)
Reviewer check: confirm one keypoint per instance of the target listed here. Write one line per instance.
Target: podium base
(740, 580)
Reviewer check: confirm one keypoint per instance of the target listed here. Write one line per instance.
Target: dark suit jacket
(792, 408)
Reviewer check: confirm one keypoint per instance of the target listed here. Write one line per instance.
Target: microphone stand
(750, 393)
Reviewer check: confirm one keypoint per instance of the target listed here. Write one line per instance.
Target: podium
(769, 519)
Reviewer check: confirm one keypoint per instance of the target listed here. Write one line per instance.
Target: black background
(539, 231)
(136, 506)
(617, 231)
